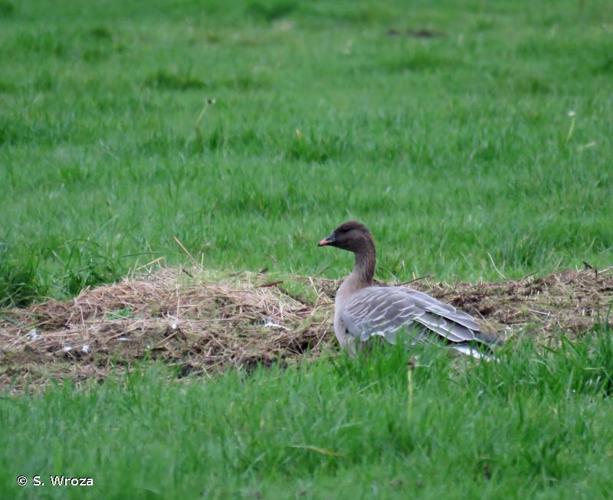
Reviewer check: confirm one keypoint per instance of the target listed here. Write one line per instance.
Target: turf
(455, 145)
(473, 137)
(534, 425)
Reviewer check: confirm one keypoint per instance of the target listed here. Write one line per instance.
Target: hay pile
(204, 323)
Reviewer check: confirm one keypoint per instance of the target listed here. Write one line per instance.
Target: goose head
(352, 236)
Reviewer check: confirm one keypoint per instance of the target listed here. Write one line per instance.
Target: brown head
(352, 236)
(355, 237)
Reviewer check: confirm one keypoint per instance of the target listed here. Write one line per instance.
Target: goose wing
(385, 310)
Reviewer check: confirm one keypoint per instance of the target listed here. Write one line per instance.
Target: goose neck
(364, 268)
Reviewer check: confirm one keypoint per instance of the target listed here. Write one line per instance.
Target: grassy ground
(480, 150)
(456, 149)
(532, 426)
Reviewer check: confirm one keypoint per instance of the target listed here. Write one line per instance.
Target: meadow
(456, 149)
(532, 426)
(472, 137)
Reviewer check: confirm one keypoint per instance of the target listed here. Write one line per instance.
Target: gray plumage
(363, 310)
(384, 311)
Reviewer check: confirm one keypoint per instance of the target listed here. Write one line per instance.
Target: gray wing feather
(448, 329)
(378, 311)
(385, 310)
(439, 308)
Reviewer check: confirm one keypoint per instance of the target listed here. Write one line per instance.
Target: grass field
(456, 149)
(473, 137)
(531, 426)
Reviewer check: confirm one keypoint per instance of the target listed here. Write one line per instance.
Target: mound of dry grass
(205, 323)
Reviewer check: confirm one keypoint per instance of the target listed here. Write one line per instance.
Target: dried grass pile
(206, 323)
(567, 303)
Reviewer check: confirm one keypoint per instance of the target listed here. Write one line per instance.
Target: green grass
(458, 151)
(535, 425)
(455, 150)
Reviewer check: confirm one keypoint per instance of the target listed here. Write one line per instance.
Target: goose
(363, 310)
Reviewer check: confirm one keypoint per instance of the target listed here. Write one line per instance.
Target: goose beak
(326, 241)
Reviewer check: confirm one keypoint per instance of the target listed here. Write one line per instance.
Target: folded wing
(384, 311)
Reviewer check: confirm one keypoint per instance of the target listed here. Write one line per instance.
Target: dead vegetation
(204, 323)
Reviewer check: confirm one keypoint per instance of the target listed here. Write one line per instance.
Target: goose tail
(469, 350)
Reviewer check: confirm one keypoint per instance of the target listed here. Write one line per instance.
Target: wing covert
(379, 311)
(385, 310)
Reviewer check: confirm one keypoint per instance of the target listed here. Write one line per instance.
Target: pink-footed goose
(362, 310)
